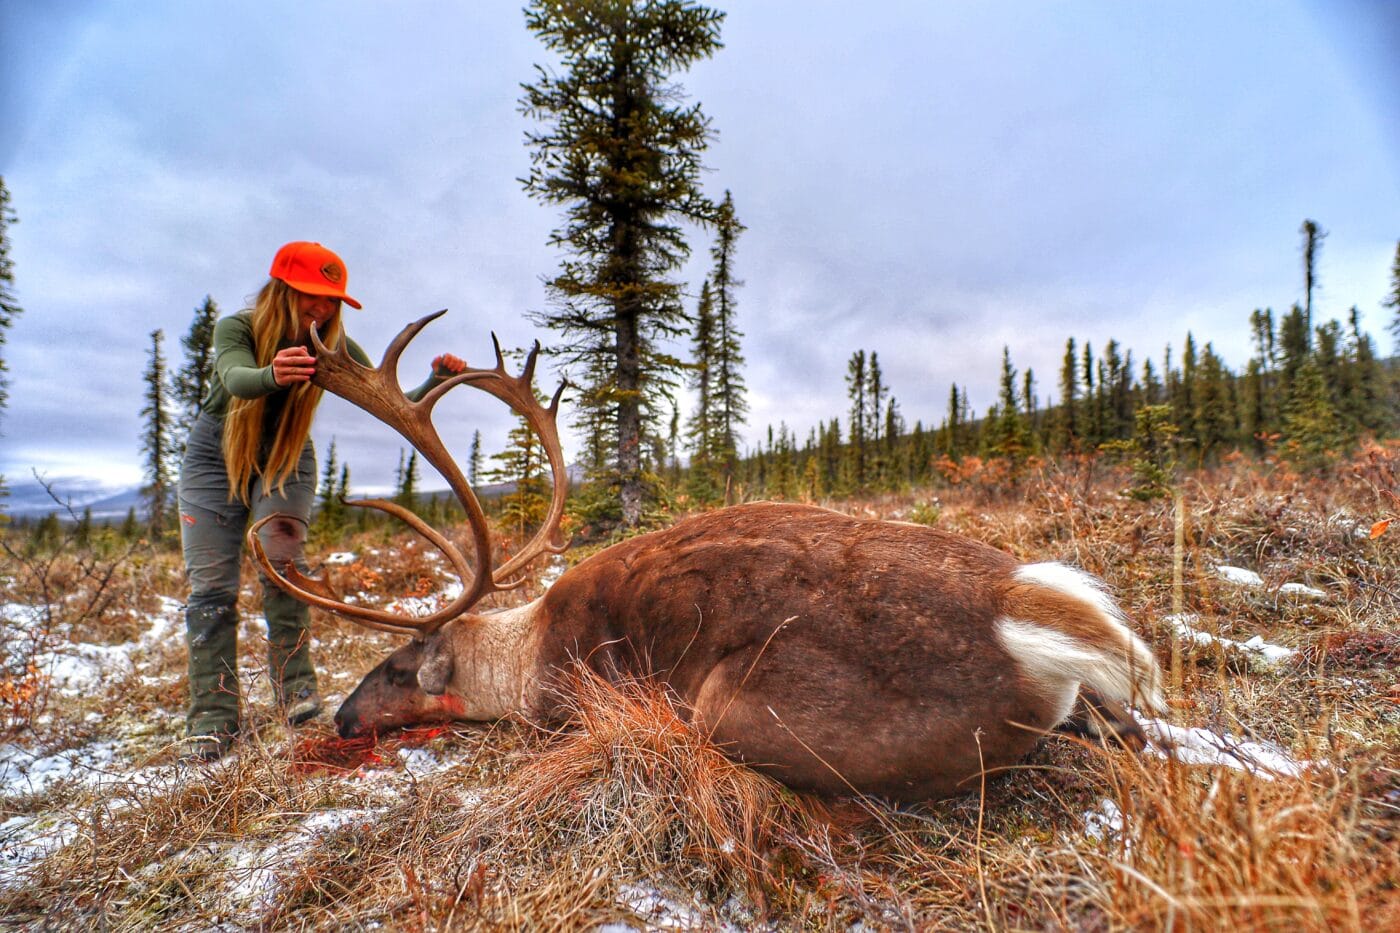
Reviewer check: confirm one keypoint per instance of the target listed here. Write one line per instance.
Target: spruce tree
(157, 442)
(192, 380)
(731, 406)
(1183, 401)
(620, 152)
(130, 526)
(523, 464)
(1092, 423)
(1065, 431)
(407, 493)
(9, 304)
(328, 515)
(953, 425)
(1006, 432)
(1392, 301)
(342, 488)
(1312, 245)
(1152, 389)
(1264, 407)
(474, 459)
(1118, 388)
(1030, 408)
(1310, 435)
(1294, 347)
(1213, 417)
(703, 429)
(1254, 422)
(856, 386)
(874, 405)
(1363, 400)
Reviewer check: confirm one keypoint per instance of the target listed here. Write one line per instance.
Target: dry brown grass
(628, 816)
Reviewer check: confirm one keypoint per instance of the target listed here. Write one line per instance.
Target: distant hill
(30, 499)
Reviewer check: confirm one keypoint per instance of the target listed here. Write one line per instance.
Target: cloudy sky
(928, 181)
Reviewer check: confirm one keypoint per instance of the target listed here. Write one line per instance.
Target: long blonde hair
(275, 319)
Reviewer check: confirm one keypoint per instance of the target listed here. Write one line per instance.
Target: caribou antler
(377, 391)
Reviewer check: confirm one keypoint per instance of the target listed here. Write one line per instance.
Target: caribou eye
(403, 677)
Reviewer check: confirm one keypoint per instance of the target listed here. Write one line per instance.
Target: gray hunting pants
(212, 527)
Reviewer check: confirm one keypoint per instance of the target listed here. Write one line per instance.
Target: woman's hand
(447, 365)
(293, 365)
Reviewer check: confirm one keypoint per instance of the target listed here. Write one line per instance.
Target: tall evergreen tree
(621, 154)
(1007, 435)
(474, 459)
(704, 428)
(9, 304)
(1152, 389)
(874, 405)
(1213, 417)
(407, 493)
(731, 405)
(1183, 401)
(1310, 432)
(192, 380)
(1031, 408)
(1313, 236)
(342, 488)
(856, 386)
(157, 441)
(1294, 346)
(1065, 430)
(1363, 395)
(1392, 301)
(330, 511)
(523, 464)
(1091, 424)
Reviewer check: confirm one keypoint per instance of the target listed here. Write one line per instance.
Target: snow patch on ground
(82, 668)
(1301, 589)
(660, 912)
(1194, 745)
(1248, 578)
(255, 877)
(25, 772)
(1256, 650)
(1240, 576)
(340, 558)
(553, 570)
(426, 605)
(1105, 823)
(28, 840)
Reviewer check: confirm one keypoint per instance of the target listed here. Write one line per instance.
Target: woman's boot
(211, 635)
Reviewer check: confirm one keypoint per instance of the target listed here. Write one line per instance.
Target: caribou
(837, 654)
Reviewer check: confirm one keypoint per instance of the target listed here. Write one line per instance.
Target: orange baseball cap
(312, 269)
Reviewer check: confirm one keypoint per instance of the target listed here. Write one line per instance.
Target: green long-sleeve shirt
(238, 375)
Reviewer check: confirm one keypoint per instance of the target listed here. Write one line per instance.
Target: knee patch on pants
(283, 540)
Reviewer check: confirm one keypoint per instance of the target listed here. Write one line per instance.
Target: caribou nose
(345, 724)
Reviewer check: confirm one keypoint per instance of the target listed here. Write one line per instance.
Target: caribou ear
(436, 670)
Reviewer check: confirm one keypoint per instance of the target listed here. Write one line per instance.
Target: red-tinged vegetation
(330, 754)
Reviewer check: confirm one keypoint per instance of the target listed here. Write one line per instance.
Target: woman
(249, 455)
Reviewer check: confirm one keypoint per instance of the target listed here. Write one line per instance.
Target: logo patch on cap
(333, 273)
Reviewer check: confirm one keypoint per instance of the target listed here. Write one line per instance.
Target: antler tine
(316, 592)
(396, 346)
